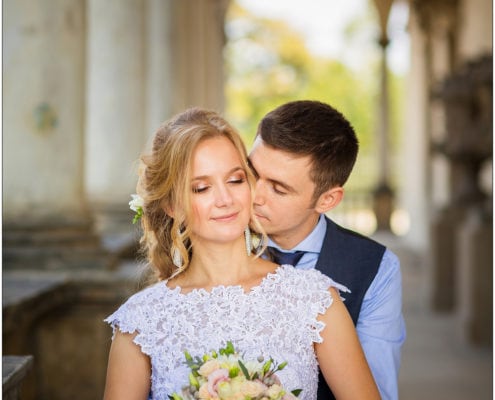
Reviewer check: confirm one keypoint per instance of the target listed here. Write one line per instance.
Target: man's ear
(329, 199)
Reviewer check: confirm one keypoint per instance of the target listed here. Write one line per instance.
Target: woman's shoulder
(138, 303)
(141, 313)
(148, 293)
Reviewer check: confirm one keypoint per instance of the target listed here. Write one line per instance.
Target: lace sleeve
(131, 315)
(313, 288)
(121, 319)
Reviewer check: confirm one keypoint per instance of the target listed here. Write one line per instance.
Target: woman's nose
(223, 196)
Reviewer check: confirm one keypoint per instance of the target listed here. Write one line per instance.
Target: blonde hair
(164, 185)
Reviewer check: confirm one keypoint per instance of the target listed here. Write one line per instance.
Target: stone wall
(58, 319)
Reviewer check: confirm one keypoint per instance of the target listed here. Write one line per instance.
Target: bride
(212, 287)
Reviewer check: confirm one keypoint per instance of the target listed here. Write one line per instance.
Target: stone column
(147, 60)
(115, 108)
(414, 194)
(468, 98)
(160, 75)
(46, 221)
(383, 196)
(198, 53)
(436, 20)
(475, 260)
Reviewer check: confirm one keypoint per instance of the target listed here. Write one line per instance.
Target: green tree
(268, 64)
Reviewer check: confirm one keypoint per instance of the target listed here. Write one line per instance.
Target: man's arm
(381, 327)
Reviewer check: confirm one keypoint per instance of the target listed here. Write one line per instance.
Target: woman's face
(221, 196)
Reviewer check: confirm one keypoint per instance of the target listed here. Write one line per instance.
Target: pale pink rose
(208, 367)
(215, 378)
(289, 396)
(203, 392)
(276, 380)
(274, 391)
(252, 388)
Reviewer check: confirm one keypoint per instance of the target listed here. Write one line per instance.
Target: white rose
(274, 392)
(136, 202)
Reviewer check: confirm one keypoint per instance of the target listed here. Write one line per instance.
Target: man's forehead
(271, 154)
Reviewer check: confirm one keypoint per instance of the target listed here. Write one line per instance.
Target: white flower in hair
(136, 205)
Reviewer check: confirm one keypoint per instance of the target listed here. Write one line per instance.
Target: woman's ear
(169, 210)
(329, 199)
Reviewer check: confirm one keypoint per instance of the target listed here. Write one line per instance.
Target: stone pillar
(436, 20)
(383, 196)
(414, 168)
(467, 96)
(147, 60)
(115, 108)
(160, 75)
(46, 221)
(198, 53)
(475, 262)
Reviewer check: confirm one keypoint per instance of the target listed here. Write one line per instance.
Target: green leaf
(296, 392)
(244, 370)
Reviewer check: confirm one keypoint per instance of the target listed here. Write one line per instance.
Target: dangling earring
(247, 236)
(256, 243)
(176, 257)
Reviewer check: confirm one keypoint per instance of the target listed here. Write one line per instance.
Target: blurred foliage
(268, 63)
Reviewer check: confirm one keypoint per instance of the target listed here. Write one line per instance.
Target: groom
(303, 154)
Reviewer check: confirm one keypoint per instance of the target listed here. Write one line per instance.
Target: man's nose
(259, 193)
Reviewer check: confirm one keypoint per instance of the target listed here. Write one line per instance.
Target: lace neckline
(269, 277)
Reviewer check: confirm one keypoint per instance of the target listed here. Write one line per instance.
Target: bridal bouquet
(224, 375)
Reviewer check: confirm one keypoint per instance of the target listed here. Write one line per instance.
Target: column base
(383, 206)
(61, 244)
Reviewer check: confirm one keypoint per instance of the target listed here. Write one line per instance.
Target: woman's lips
(226, 218)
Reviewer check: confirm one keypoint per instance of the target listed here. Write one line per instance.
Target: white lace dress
(277, 318)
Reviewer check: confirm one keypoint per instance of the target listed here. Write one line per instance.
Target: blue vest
(351, 260)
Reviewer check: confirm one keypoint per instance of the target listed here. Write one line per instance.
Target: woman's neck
(217, 264)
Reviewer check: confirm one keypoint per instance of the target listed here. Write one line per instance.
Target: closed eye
(199, 189)
(278, 191)
(237, 181)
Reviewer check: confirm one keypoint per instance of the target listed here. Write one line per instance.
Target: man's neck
(292, 239)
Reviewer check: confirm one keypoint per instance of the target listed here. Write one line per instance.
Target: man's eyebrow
(251, 166)
(287, 187)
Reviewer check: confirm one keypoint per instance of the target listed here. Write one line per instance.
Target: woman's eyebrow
(231, 171)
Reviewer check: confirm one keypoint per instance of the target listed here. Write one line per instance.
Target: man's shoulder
(352, 238)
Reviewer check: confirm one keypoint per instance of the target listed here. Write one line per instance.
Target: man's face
(284, 194)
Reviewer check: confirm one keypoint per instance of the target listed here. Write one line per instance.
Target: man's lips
(260, 216)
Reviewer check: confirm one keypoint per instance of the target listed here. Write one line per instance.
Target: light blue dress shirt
(380, 327)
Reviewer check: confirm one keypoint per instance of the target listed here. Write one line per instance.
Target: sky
(322, 22)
